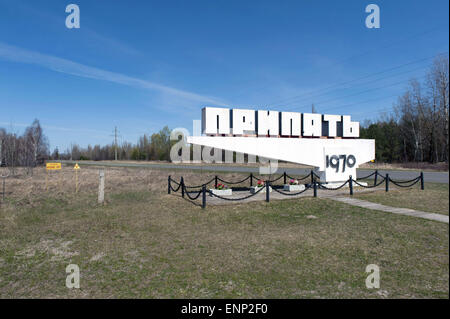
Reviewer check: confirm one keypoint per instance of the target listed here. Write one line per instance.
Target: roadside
(435, 177)
(410, 166)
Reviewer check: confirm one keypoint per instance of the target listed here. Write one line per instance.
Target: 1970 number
(334, 161)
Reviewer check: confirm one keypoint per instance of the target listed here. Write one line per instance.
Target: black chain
(197, 186)
(237, 199)
(292, 194)
(269, 181)
(233, 183)
(299, 179)
(372, 186)
(194, 197)
(400, 185)
(332, 189)
(370, 175)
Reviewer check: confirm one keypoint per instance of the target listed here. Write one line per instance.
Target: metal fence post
(182, 186)
(4, 189)
(312, 177)
(215, 181)
(387, 182)
(315, 188)
(251, 179)
(267, 191)
(376, 177)
(351, 185)
(284, 178)
(168, 185)
(422, 184)
(203, 196)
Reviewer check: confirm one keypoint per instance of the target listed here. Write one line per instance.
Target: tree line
(416, 131)
(27, 150)
(148, 147)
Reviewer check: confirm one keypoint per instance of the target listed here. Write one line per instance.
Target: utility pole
(115, 143)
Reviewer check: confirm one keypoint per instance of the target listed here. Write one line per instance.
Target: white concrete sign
(328, 142)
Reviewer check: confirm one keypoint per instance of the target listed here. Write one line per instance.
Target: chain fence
(314, 184)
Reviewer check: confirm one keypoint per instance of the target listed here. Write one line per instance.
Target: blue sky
(140, 65)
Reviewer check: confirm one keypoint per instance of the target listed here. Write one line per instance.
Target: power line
(360, 78)
(362, 102)
(368, 82)
(351, 58)
(115, 142)
(362, 92)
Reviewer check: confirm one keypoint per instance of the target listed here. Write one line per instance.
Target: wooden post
(422, 182)
(76, 181)
(101, 187)
(387, 182)
(61, 179)
(351, 185)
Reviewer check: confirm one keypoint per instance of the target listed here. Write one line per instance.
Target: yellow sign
(53, 166)
(76, 167)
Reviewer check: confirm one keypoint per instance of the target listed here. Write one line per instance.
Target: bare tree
(438, 84)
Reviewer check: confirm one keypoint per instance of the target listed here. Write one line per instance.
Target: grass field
(147, 244)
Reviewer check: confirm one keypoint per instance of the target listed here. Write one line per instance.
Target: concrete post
(101, 187)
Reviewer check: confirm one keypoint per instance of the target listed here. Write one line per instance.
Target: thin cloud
(16, 54)
(56, 21)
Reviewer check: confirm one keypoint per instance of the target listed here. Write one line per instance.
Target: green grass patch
(147, 245)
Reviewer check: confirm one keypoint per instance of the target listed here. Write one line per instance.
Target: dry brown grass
(148, 244)
(25, 190)
(415, 166)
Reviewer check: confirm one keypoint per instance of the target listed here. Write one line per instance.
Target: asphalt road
(435, 177)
